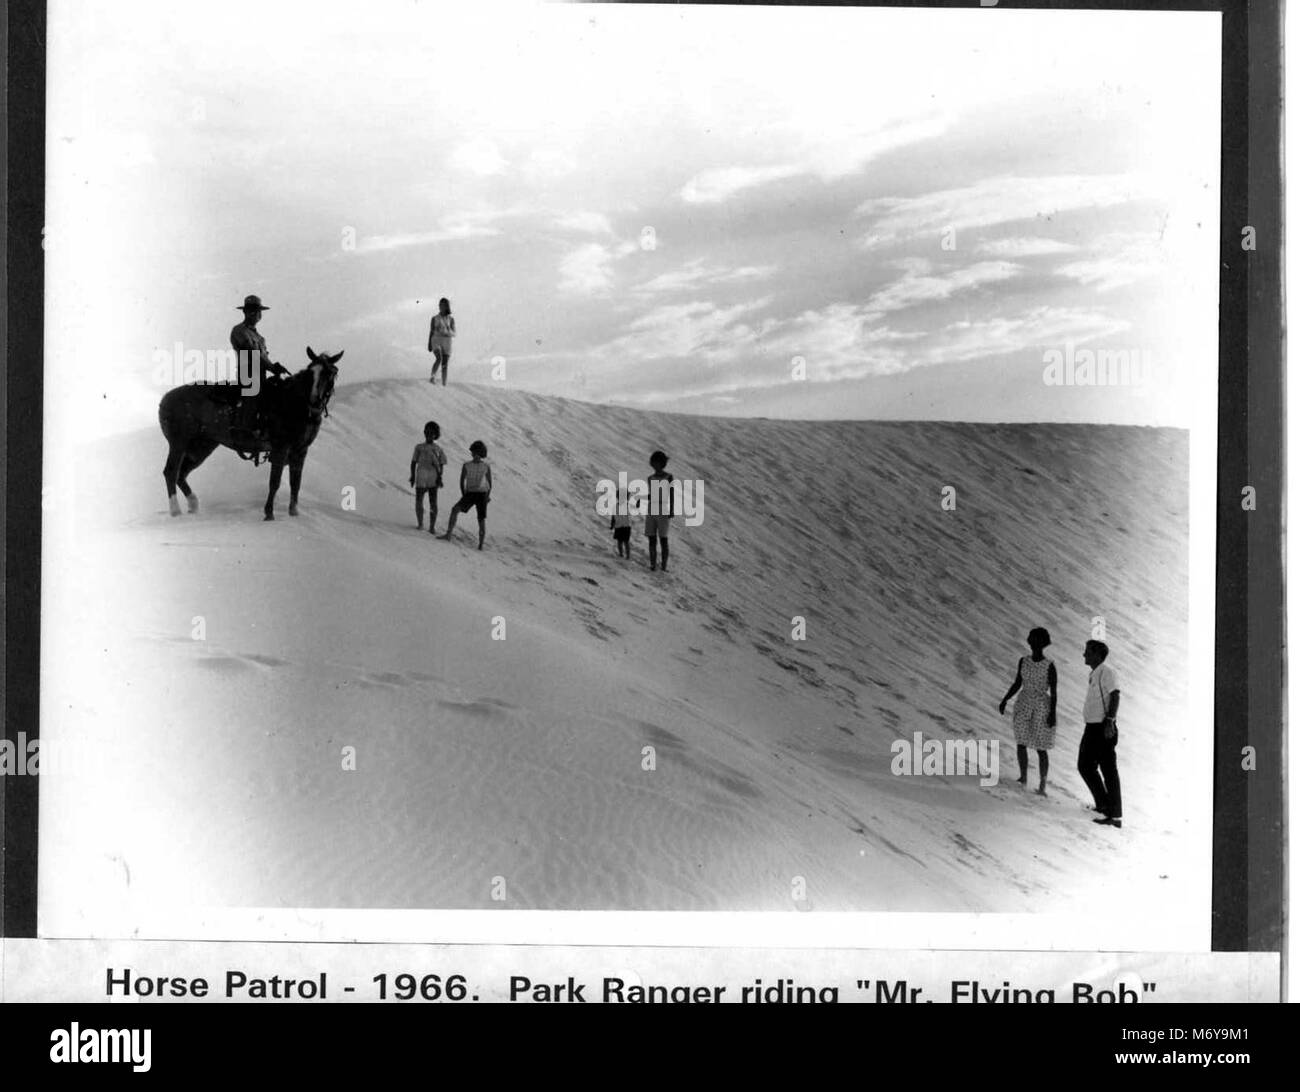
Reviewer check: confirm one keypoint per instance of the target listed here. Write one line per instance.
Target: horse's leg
(295, 479)
(277, 469)
(175, 457)
(194, 457)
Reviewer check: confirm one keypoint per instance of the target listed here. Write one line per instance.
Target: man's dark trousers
(1099, 769)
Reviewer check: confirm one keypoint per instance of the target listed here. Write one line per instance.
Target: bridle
(322, 389)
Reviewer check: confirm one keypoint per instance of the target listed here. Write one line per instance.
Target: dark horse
(198, 417)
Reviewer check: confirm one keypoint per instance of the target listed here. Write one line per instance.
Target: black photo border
(1249, 881)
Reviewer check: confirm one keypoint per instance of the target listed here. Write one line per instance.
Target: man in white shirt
(1097, 763)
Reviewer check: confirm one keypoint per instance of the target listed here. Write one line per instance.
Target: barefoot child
(427, 462)
(621, 523)
(659, 508)
(1034, 717)
(475, 485)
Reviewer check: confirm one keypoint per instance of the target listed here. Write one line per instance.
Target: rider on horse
(245, 339)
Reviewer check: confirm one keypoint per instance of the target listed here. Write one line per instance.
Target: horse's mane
(321, 360)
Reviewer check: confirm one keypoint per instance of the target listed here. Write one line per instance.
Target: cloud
(479, 156)
(848, 153)
(587, 269)
(1024, 247)
(886, 351)
(696, 274)
(699, 330)
(590, 223)
(843, 339)
(372, 243)
(829, 157)
(462, 225)
(548, 164)
(1034, 330)
(918, 285)
(838, 336)
(1002, 200)
(1117, 261)
(719, 183)
(847, 337)
(405, 313)
(839, 342)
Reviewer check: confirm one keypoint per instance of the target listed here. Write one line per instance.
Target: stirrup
(253, 439)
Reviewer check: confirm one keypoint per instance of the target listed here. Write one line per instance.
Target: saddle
(227, 394)
(246, 429)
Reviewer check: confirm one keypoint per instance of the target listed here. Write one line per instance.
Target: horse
(198, 417)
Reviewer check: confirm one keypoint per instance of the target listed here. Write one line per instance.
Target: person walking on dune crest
(475, 487)
(441, 330)
(1034, 717)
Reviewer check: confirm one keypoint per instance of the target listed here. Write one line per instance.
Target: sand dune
(216, 763)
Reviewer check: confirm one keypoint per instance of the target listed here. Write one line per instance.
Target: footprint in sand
(480, 707)
(235, 663)
(266, 661)
(387, 678)
(721, 630)
(225, 665)
(888, 715)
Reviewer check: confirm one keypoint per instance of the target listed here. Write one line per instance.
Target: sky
(783, 212)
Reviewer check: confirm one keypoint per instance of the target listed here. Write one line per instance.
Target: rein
(299, 385)
(321, 409)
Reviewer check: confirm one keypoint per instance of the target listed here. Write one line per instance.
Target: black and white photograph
(638, 458)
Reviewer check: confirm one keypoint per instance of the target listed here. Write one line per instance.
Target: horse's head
(322, 371)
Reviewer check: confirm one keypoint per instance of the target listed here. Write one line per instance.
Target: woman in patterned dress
(1034, 717)
(441, 330)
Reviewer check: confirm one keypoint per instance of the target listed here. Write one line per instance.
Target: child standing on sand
(659, 509)
(475, 487)
(621, 524)
(1034, 717)
(427, 462)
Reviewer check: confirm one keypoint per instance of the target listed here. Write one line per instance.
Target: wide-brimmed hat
(253, 303)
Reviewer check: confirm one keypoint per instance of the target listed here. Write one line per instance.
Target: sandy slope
(215, 764)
